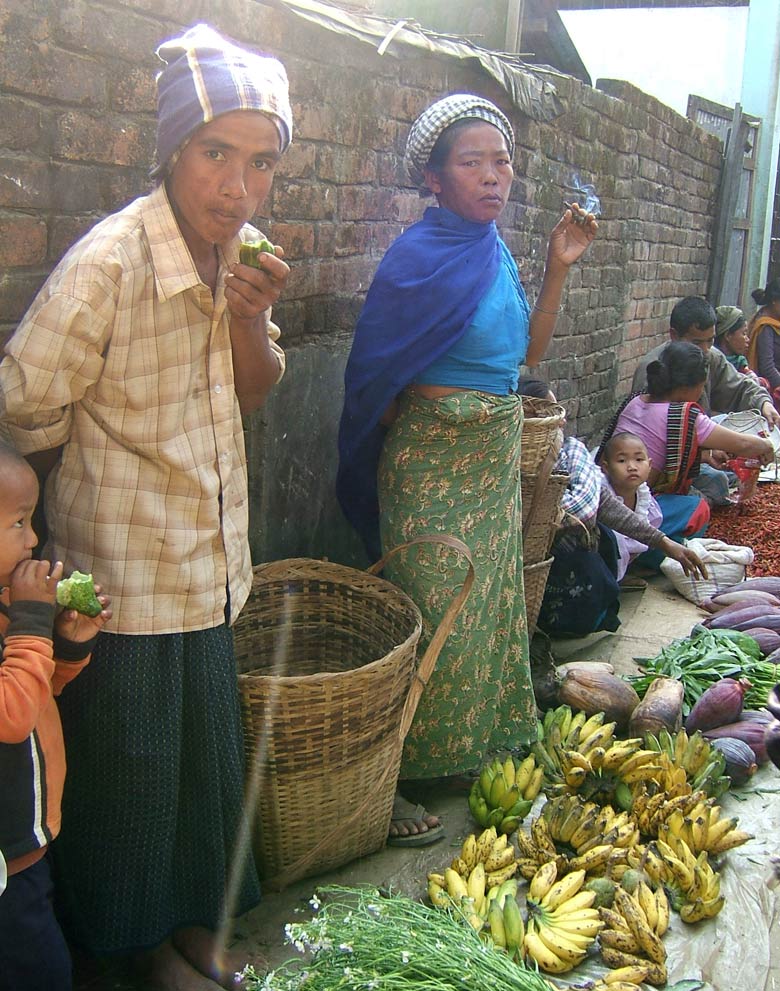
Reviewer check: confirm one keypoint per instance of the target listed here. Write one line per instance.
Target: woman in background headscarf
(764, 330)
(431, 428)
(132, 370)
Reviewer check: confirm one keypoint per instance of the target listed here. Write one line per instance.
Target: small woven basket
(534, 583)
(542, 422)
(328, 685)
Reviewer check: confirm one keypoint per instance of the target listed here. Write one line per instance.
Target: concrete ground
(650, 620)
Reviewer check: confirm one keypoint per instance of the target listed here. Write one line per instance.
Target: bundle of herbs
(705, 657)
(361, 939)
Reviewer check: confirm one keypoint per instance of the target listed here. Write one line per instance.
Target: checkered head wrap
(205, 76)
(429, 126)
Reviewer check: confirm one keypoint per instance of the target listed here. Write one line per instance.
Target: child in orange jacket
(40, 654)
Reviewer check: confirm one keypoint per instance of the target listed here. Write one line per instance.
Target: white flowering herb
(361, 940)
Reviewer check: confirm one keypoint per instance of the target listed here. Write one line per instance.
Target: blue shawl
(420, 302)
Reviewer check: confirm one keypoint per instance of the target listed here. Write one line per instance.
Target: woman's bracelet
(551, 313)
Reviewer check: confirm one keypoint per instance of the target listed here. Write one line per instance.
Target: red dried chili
(755, 524)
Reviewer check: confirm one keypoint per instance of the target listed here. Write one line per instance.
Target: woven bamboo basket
(328, 685)
(538, 537)
(534, 584)
(542, 422)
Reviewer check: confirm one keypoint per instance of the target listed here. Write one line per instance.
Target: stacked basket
(542, 490)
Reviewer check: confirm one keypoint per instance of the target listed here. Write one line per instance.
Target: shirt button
(218, 388)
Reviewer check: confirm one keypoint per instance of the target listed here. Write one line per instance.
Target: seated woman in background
(732, 338)
(764, 329)
(583, 592)
(675, 430)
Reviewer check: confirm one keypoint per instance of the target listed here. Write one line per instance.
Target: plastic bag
(725, 563)
(747, 471)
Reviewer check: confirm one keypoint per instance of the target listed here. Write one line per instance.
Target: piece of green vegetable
(361, 938)
(250, 251)
(78, 592)
(705, 657)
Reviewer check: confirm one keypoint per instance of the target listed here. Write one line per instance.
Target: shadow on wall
(296, 433)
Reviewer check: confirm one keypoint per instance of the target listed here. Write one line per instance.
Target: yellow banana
(562, 891)
(587, 828)
(582, 899)
(498, 877)
(602, 737)
(456, 886)
(575, 777)
(438, 896)
(497, 861)
(662, 910)
(475, 885)
(641, 773)
(540, 953)
(570, 820)
(655, 973)
(645, 897)
(585, 922)
(562, 945)
(613, 919)
(534, 785)
(485, 842)
(648, 941)
(573, 758)
(510, 770)
(459, 864)
(619, 939)
(498, 788)
(542, 881)
(591, 724)
(468, 852)
(699, 909)
(617, 985)
(596, 757)
(618, 753)
(636, 974)
(523, 773)
(734, 837)
(593, 858)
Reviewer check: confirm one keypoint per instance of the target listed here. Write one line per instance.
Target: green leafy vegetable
(362, 939)
(78, 592)
(705, 657)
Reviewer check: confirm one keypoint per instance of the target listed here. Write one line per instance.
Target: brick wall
(77, 135)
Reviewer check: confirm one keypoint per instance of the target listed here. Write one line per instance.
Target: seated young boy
(40, 654)
(626, 466)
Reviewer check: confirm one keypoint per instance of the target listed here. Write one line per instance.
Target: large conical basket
(329, 685)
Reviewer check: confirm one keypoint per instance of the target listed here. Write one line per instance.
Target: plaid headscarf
(437, 118)
(206, 76)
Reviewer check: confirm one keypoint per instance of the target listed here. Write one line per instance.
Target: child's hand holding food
(86, 610)
(35, 581)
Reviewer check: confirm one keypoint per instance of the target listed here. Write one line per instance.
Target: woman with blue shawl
(429, 441)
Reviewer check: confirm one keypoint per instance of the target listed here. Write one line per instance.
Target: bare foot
(164, 969)
(412, 821)
(203, 950)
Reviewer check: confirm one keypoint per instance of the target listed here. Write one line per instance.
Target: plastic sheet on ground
(529, 87)
(733, 951)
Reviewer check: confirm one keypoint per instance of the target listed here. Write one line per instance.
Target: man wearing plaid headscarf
(129, 376)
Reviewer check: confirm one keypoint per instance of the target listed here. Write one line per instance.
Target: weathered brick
(24, 183)
(21, 124)
(22, 240)
(114, 139)
(64, 232)
(42, 70)
(17, 291)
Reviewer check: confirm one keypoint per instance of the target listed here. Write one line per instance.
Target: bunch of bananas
(632, 933)
(504, 792)
(537, 847)
(703, 765)
(586, 826)
(650, 811)
(484, 863)
(595, 771)
(692, 884)
(562, 924)
(702, 829)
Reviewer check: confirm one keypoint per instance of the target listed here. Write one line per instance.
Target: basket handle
(424, 670)
(428, 663)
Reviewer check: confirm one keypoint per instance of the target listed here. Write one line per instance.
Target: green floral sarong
(452, 466)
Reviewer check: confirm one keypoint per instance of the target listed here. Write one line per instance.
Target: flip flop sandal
(415, 814)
